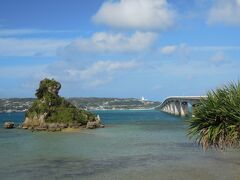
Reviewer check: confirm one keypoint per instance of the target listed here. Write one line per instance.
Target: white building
(143, 99)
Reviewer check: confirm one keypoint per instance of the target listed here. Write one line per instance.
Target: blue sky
(119, 48)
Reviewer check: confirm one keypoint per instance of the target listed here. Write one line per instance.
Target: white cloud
(100, 72)
(18, 32)
(168, 50)
(106, 66)
(21, 71)
(225, 11)
(196, 69)
(136, 14)
(96, 74)
(99, 82)
(30, 47)
(215, 48)
(108, 42)
(157, 87)
(218, 57)
(185, 49)
(99, 42)
(181, 49)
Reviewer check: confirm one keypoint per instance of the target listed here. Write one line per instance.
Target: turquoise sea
(141, 145)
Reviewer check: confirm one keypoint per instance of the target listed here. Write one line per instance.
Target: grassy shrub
(57, 108)
(216, 120)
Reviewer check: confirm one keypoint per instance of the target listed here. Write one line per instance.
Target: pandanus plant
(216, 119)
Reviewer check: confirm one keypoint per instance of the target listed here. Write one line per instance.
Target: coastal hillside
(113, 103)
(15, 104)
(91, 103)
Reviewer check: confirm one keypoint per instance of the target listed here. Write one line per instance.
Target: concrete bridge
(179, 105)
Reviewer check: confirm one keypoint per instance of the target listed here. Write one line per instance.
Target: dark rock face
(54, 127)
(51, 127)
(8, 125)
(53, 113)
(54, 89)
(95, 124)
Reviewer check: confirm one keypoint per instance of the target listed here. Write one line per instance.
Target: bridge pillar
(177, 108)
(178, 105)
(165, 109)
(172, 107)
(168, 108)
(184, 108)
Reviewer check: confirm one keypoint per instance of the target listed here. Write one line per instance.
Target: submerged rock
(8, 125)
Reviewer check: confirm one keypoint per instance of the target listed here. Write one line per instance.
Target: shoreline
(121, 109)
(95, 110)
(72, 130)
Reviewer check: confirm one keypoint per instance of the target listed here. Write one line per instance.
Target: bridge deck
(187, 98)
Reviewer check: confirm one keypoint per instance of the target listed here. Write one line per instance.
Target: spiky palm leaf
(216, 120)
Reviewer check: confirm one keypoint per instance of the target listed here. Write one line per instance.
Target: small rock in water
(95, 124)
(9, 125)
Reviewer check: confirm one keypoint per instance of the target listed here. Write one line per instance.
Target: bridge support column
(168, 108)
(178, 105)
(172, 108)
(164, 109)
(184, 108)
(177, 108)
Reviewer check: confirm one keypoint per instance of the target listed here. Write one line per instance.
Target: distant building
(143, 99)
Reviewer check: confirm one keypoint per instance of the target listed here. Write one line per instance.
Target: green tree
(216, 120)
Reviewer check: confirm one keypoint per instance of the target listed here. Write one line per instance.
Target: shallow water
(134, 145)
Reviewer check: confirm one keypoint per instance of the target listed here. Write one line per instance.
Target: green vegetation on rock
(55, 108)
(216, 120)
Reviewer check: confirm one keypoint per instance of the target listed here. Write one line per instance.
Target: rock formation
(95, 124)
(53, 113)
(8, 125)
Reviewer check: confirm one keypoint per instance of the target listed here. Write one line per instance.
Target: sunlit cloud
(19, 32)
(136, 14)
(102, 42)
(30, 47)
(225, 12)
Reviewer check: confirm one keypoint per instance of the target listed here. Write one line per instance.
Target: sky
(119, 48)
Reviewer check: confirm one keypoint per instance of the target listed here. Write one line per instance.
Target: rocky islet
(50, 112)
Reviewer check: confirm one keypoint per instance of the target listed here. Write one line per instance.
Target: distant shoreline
(96, 104)
(121, 109)
(91, 110)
